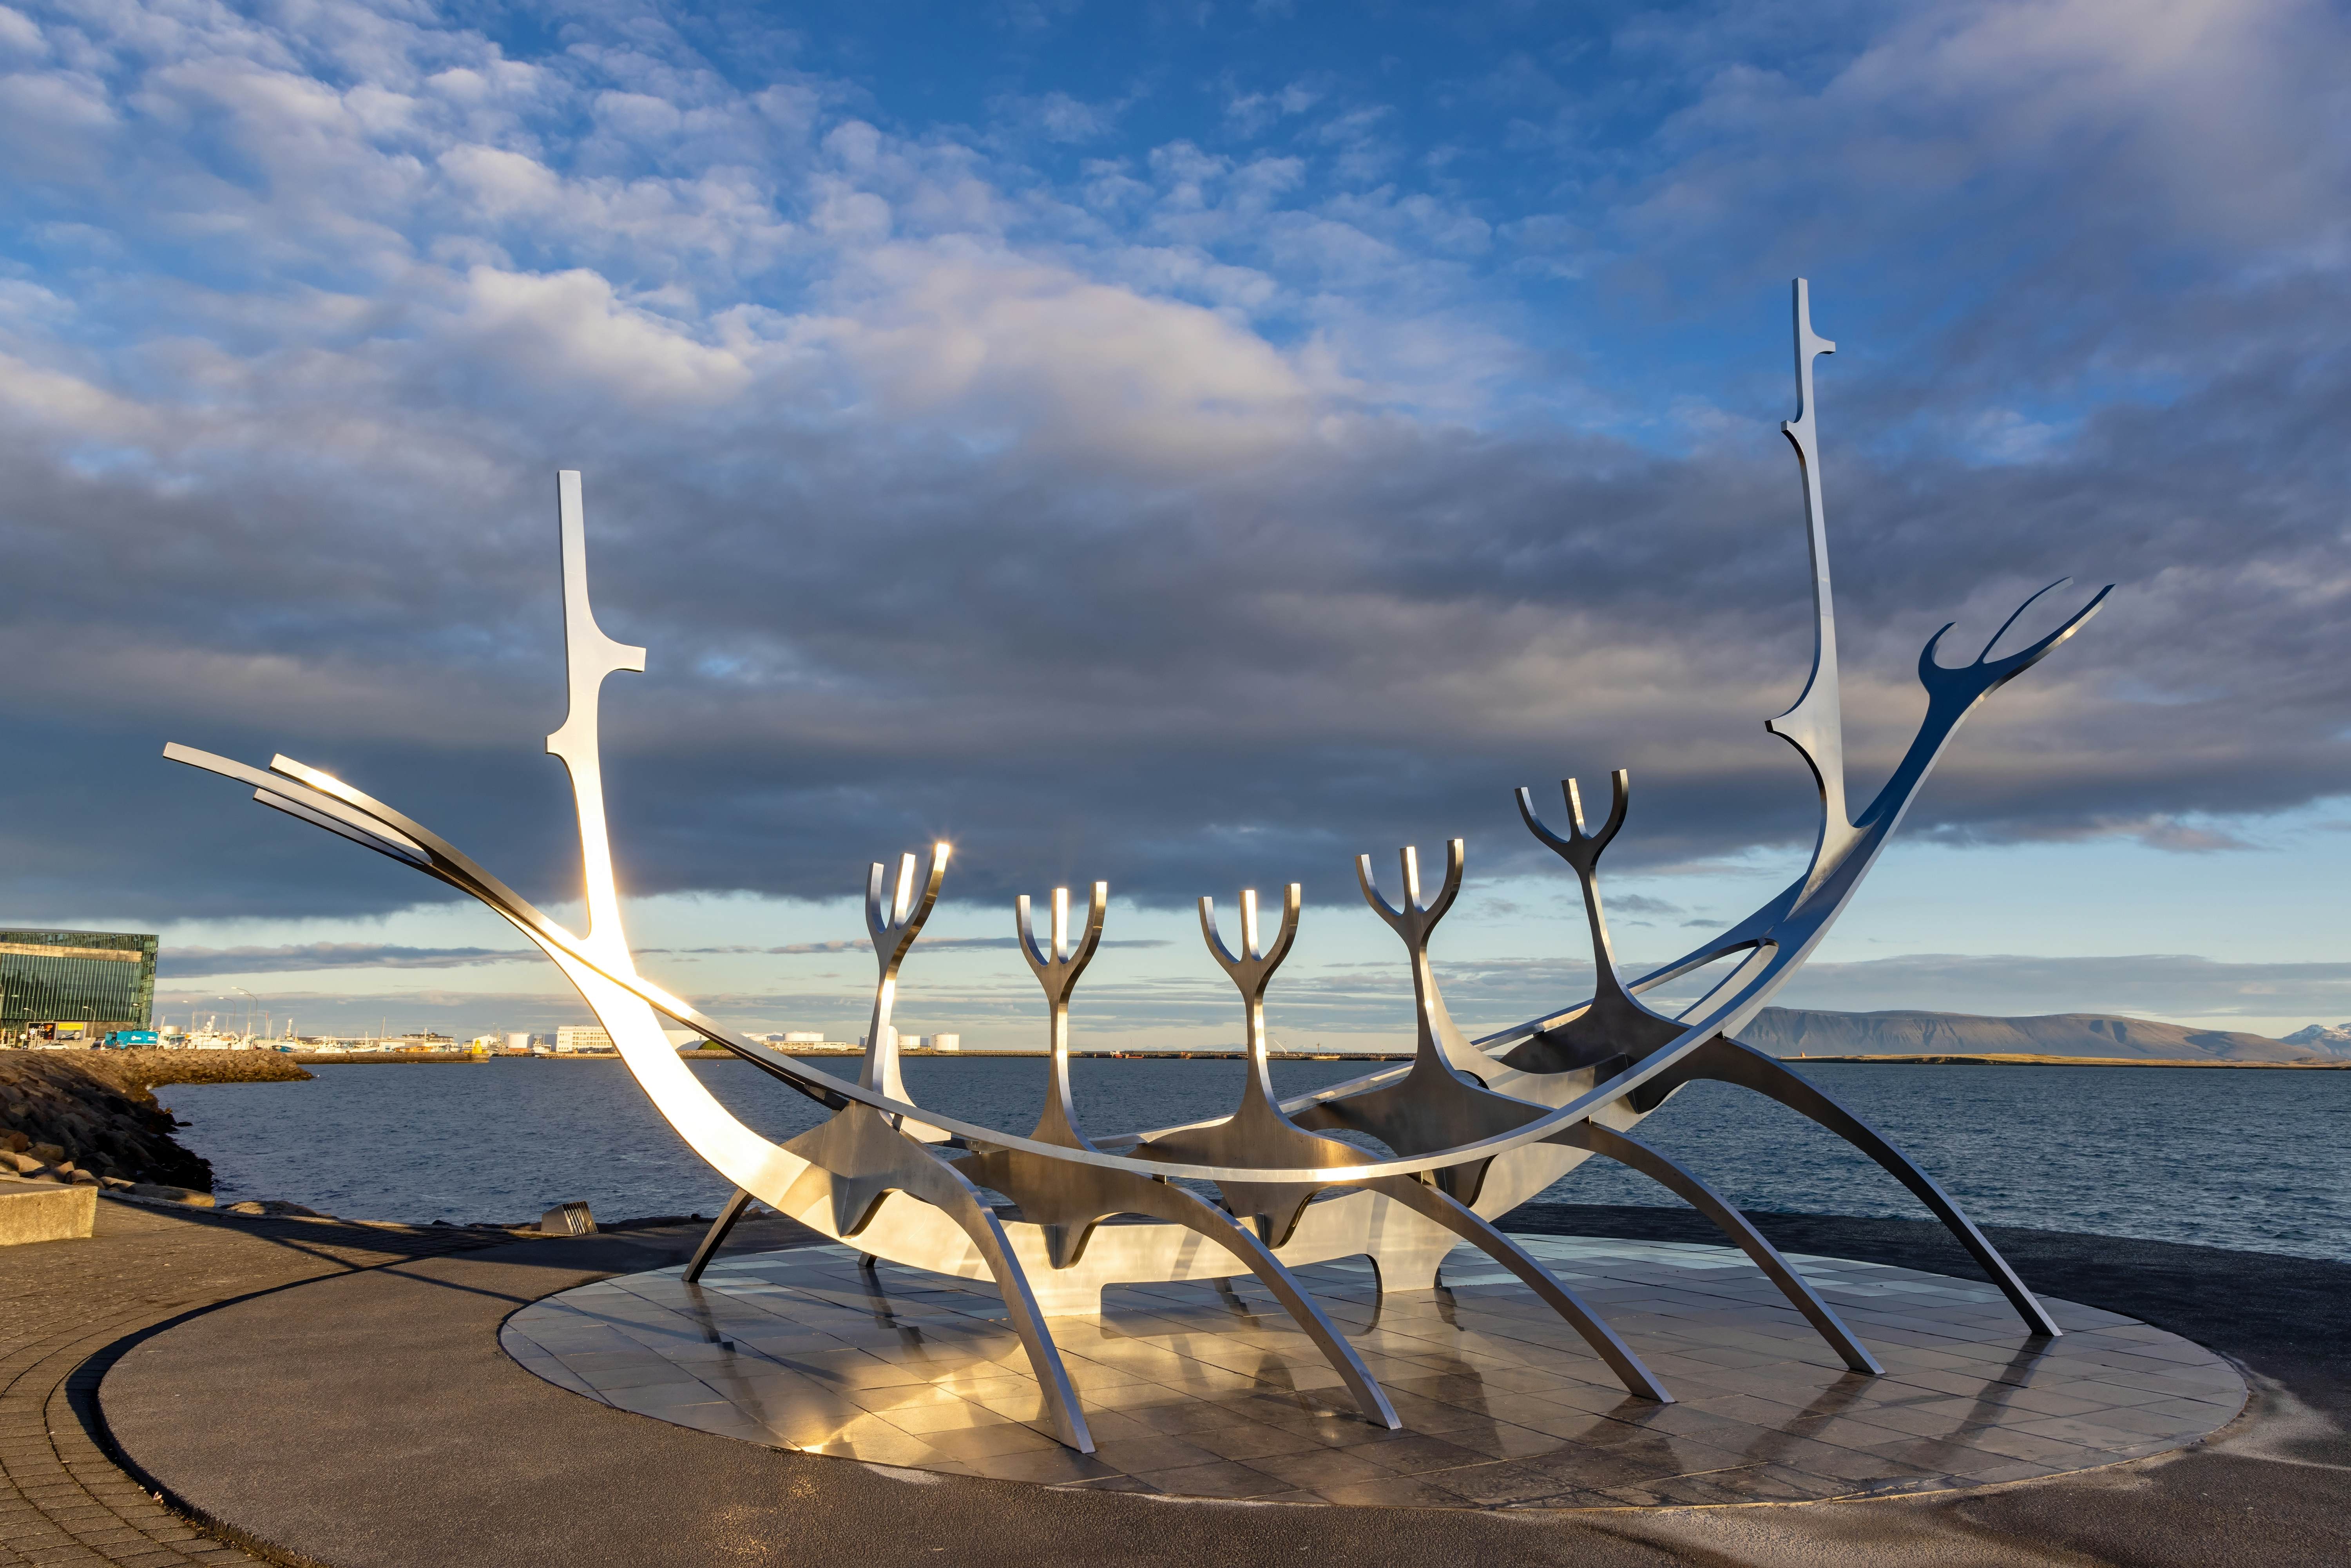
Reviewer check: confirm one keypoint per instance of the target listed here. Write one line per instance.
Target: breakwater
(137, 1070)
(376, 1058)
(90, 1117)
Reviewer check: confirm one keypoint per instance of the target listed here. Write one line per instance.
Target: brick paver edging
(68, 1310)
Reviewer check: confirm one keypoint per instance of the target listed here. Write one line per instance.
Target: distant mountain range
(1789, 1031)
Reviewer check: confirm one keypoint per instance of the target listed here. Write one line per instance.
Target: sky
(1182, 446)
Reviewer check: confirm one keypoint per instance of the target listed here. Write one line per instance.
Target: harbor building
(925, 1042)
(75, 985)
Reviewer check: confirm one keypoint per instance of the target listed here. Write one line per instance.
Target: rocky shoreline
(90, 1118)
(137, 1070)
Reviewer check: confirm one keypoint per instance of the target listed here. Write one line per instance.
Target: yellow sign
(43, 950)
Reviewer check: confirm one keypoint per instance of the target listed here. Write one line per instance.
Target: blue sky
(1187, 446)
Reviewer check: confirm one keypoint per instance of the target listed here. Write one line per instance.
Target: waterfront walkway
(68, 1309)
(362, 1415)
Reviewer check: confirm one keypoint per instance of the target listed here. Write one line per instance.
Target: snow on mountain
(1790, 1031)
(2331, 1039)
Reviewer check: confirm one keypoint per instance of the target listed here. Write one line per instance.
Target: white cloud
(569, 329)
(1252, 113)
(1003, 347)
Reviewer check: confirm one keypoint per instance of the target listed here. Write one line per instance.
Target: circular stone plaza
(185, 1385)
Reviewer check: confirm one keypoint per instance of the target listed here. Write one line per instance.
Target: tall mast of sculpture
(590, 656)
(1815, 724)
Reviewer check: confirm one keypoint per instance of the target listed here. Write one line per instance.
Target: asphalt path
(369, 1418)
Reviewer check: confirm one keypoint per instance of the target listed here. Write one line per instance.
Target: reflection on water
(2244, 1158)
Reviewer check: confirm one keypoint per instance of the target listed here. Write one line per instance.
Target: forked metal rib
(894, 918)
(1057, 967)
(1613, 1024)
(1257, 1133)
(1415, 923)
(1440, 1103)
(1067, 1201)
(1434, 1107)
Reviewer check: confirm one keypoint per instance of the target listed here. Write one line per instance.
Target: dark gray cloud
(1176, 715)
(177, 963)
(945, 511)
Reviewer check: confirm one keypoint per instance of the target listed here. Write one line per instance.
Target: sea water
(2229, 1157)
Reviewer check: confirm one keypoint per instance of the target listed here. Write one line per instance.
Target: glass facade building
(105, 978)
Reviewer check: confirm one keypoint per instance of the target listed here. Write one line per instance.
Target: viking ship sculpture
(1472, 1128)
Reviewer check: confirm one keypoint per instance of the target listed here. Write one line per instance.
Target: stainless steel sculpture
(1474, 1127)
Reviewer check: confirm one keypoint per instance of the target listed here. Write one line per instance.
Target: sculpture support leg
(1067, 1204)
(859, 1158)
(1020, 1304)
(1731, 1063)
(1677, 1180)
(1238, 1239)
(1473, 1227)
(716, 1235)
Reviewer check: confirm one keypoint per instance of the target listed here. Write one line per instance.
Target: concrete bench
(37, 1211)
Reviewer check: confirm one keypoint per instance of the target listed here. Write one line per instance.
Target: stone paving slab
(1209, 1389)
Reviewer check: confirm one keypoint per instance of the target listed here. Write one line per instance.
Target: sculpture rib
(1068, 1204)
(894, 922)
(1472, 1226)
(1677, 1180)
(1727, 1062)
